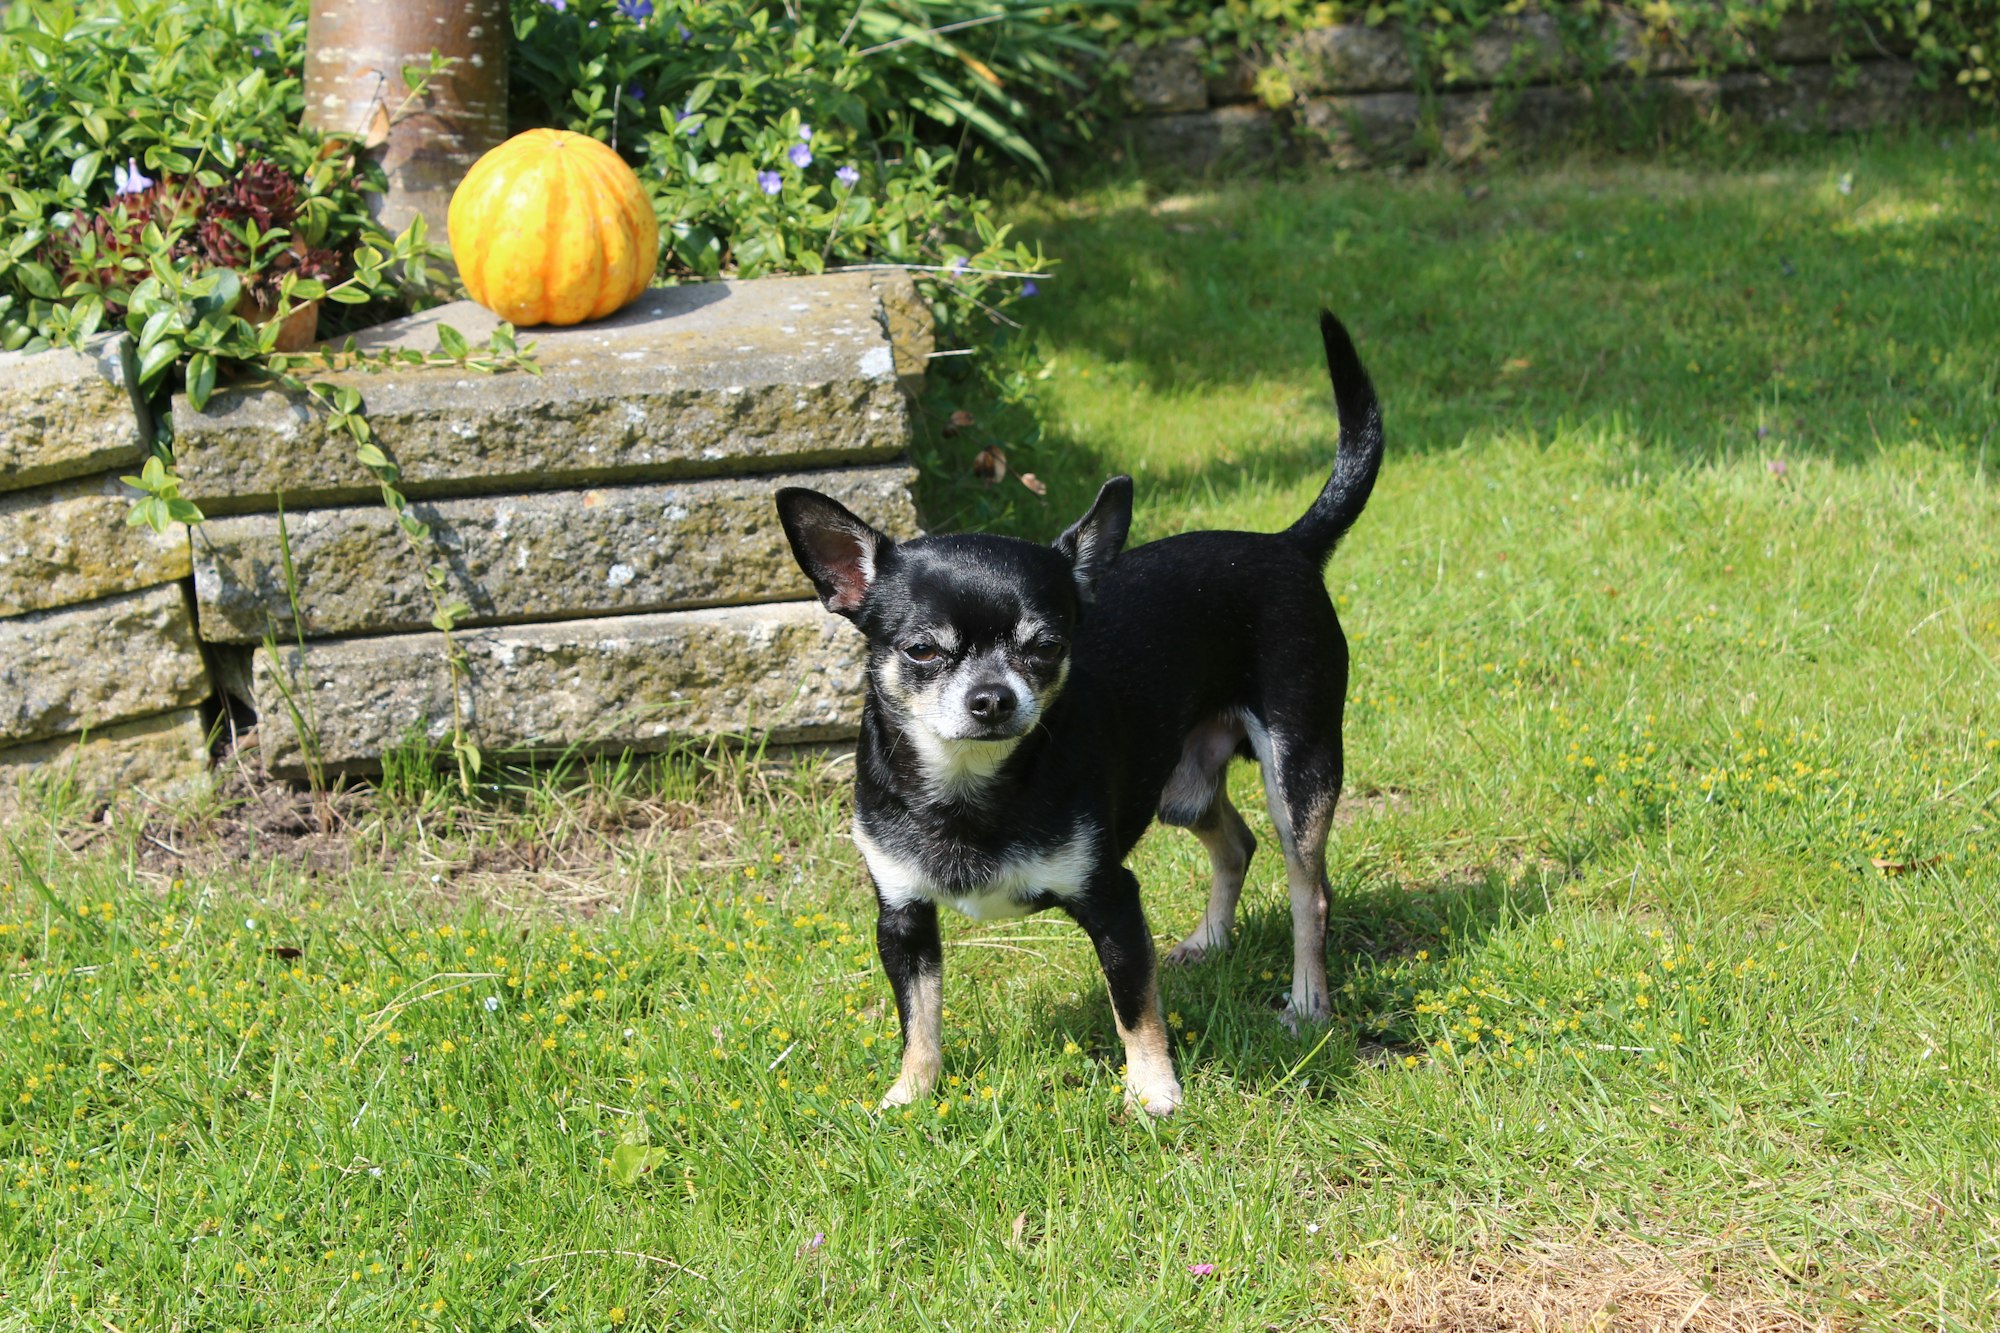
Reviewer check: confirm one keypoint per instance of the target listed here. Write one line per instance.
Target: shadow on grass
(1828, 306)
(1233, 1003)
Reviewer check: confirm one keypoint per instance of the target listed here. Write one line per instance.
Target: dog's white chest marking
(1062, 871)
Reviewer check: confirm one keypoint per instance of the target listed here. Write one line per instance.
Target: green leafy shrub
(152, 165)
(773, 138)
(808, 137)
(1952, 41)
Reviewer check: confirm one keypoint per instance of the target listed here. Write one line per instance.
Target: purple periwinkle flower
(1028, 287)
(129, 179)
(683, 30)
(634, 93)
(636, 10)
(805, 133)
(691, 120)
(770, 182)
(847, 176)
(560, 6)
(959, 266)
(801, 155)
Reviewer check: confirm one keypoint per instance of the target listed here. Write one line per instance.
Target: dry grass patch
(1622, 1287)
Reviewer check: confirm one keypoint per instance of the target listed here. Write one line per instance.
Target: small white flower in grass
(249, 923)
(492, 1003)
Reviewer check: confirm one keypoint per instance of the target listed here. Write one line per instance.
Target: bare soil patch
(1596, 1287)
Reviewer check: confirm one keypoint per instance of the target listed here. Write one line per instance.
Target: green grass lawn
(1665, 949)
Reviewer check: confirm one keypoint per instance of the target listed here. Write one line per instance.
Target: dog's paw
(905, 1091)
(1194, 949)
(1317, 1014)
(1157, 1098)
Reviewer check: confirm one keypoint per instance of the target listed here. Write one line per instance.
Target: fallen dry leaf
(1034, 483)
(990, 465)
(1889, 867)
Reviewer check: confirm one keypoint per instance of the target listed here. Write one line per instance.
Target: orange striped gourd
(552, 228)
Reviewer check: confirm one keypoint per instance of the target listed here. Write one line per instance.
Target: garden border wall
(607, 520)
(1352, 96)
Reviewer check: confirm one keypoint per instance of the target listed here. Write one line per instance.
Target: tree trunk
(356, 51)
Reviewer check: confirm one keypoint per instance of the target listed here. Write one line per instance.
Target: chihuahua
(1030, 709)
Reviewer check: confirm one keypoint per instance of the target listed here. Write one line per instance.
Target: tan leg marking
(1230, 846)
(922, 1045)
(1149, 1068)
(1305, 879)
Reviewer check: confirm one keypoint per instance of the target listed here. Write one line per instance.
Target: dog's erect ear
(838, 551)
(1095, 540)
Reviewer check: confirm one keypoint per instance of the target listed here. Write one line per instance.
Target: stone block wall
(1355, 98)
(608, 521)
(101, 670)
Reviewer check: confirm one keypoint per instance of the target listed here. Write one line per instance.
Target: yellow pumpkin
(552, 228)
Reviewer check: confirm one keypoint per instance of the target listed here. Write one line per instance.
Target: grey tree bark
(356, 52)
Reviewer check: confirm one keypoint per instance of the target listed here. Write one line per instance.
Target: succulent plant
(203, 223)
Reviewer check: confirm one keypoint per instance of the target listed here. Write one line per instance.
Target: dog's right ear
(838, 551)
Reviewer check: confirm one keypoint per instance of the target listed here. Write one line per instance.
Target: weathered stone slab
(69, 543)
(1525, 48)
(1165, 78)
(1203, 141)
(1822, 99)
(912, 329)
(164, 756)
(1371, 129)
(87, 666)
(538, 556)
(789, 671)
(1348, 58)
(1378, 129)
(699, 380)
(65, 413)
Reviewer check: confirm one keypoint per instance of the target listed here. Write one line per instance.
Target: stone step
(132, 655)
(785, 672)
(69, 542)
(525, 557)
(65, 414)
(699, 380)
(164, 756)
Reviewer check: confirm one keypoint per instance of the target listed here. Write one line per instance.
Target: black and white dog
(1031, 708)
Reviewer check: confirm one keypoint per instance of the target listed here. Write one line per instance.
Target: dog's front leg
(1111, 914)
(906, 935)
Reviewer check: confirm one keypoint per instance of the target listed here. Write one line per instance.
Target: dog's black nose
(991, 703)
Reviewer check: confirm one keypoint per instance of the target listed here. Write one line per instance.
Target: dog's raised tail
(1360, 456)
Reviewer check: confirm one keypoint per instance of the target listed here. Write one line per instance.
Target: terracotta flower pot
(299, 330)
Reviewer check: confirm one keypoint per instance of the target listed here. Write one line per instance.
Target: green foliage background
(1951, 41)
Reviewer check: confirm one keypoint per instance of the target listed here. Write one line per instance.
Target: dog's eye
(923, 650)
(1044, 650)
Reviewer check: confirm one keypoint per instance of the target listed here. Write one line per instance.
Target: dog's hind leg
(1301, 783)
(1230, 847)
